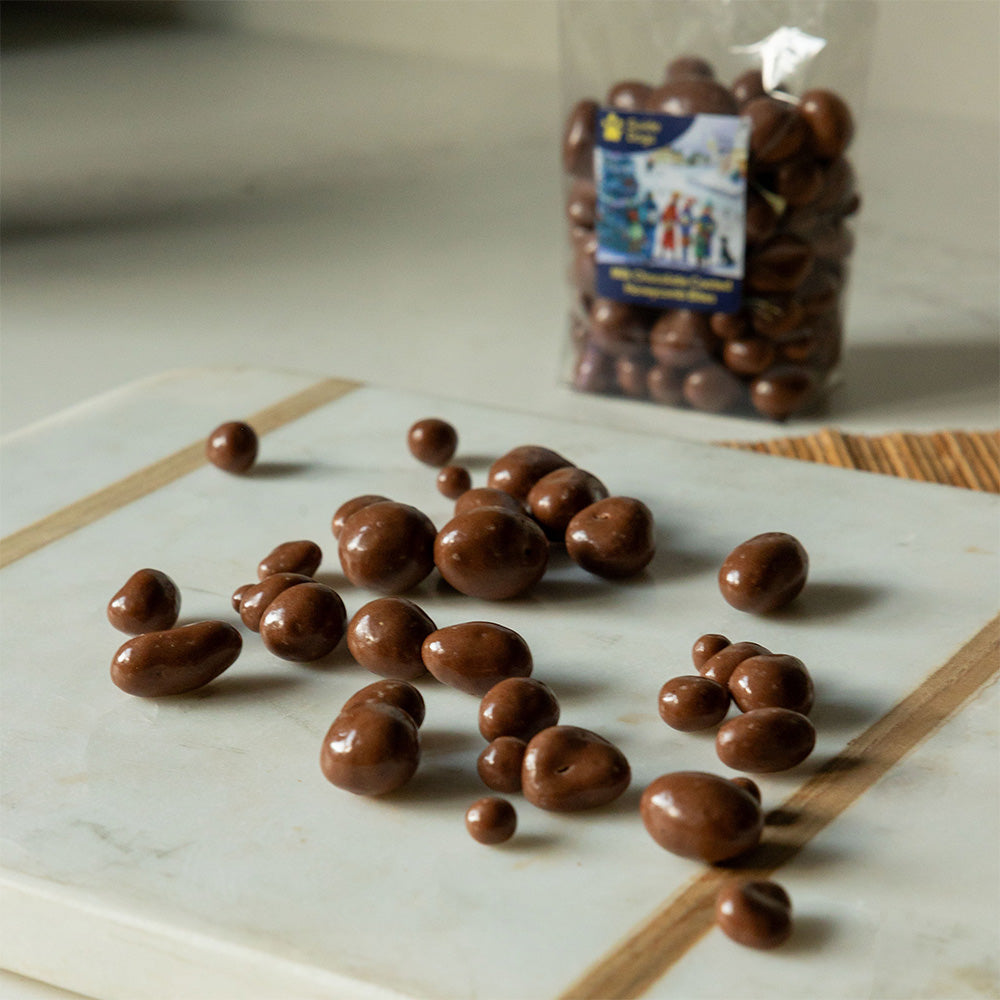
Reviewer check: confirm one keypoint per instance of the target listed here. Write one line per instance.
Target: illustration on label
(671, 203)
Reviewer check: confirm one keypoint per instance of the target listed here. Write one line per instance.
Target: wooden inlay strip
(650, 950)
(152, 477)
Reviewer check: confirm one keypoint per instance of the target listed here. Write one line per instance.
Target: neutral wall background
(939, 56)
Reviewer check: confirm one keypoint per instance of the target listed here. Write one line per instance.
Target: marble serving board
(190, 847)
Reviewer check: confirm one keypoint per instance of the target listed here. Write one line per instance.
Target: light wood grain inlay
(647, 953)
(152, 477)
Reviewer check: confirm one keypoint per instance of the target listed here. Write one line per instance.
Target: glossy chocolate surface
(701, 816)
(777, 130)
(256, 597)
(453, 481)
(692, 95)
(499, 765)
(148, 601)
(232, 446)
(400, 694)
(304, 623)
(772, 680)
(517, 706)
(712, 388)
(706, 646)
(690, 703)
(352, 506)
(830, 122)
(432, 441)
(486, 496)
(612, 538)
(176, 660)
(236, 599)
(719, 666)
(756, 913)
(473, 656)
(748, 785)
(628, 95)
(385, 636)
(765, 740)
(559, 495)
(491, 553)
(301, 556)
(371, 750)
(764, 573)
(780, 392)
(567, 768)
(491, 820)
(387, 547)
(520, 468)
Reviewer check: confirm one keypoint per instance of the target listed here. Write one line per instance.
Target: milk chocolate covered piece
(720, 665)
(304, 622)
(232, 446)
(387, 547)
(612, 538)
(756, 913)
(690, 703)
(385, 636)
(558, 496)
(301, 556)
(772, 680)
(491, 820)
(701, 816)
(520, 468)
(148, 601)
(453, 481)
(473, 656)
(371, 749)
(499, 765)
(349, 507)
(765, 740)
(255, 597)
(400, 694)
(567, 768)
(491, 553)
(764, 573)
(517, 706)
(176, 660)
(432, 441)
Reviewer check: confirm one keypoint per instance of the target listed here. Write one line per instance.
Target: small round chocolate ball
(453, 481)
(691, 703)
(777, 129)
(756, 913)
(387, 547)
(517, 706)
(499, 765)
(491, 553)
(432, 441)
(612, 538)
(713, 389)
(385, 637)
(782, 391)
(764, 573)
(491, 820)
(772, 680)
(556, 497)
(232, 447)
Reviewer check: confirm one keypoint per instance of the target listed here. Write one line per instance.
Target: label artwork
(671, 200)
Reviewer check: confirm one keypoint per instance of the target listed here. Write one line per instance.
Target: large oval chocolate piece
(765, 740)
(473, 656)
(175, 660)
(701, 816)
(372, 749)
(387, 547)
(566, 768)
(304, 623)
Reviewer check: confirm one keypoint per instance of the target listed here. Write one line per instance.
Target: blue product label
(671, 203)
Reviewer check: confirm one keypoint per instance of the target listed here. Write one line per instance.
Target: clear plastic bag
(708, 197)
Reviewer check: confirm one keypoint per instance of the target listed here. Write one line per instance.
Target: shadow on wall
(878, 377)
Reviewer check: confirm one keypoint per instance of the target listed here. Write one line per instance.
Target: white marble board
(191, 847)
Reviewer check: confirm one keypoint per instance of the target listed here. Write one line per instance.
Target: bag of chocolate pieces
(709, 194)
